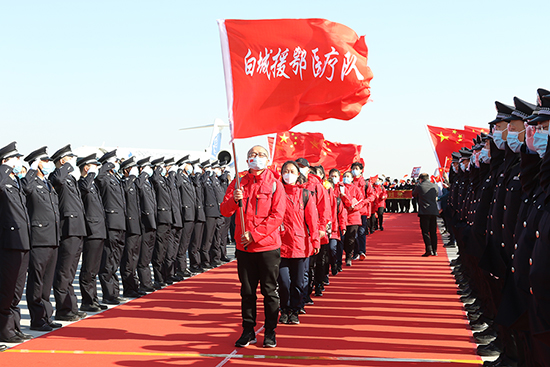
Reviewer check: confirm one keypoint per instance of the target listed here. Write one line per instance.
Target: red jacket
(315, 185)
(339, 213)
(351, 196)
(380, 195)
(264, 204)
(300, 234)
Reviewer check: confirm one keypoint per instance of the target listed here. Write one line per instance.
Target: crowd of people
(497, 214)
(124, 216)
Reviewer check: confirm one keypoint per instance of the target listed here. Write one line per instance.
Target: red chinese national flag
(476, 130)
(313, 147)
(282, 72)
(446, 141)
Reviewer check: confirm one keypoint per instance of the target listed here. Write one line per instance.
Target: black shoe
(43, 327)
(131, 294)
(489, 350)
(196, 269)
(381, 228)
(141, 293)
(248, 337)
(269, 339)
(284, 317)
(479, 326)
(484, 339)
(102, 307)
(3, 347)
(474, 316)
(217, 263)
(23, 336)
(339, 267)
(348, 262)
(226, 259)
(426, 254)
(302, 311)
(147, 289)
(81, 314)
(472, 307)
(168, 281)
(334, 271)
(318, 292)
(55, 325)
(111, 301)
(467, 300)
(449, 245)
(434, 253)
(309, 301)
(90, 308)
(293, 318)
(68, 317)
(12, 339)
(186, 274)
(326, 280)
(355, 257)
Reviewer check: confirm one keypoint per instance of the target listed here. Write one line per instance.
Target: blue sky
(131, 73)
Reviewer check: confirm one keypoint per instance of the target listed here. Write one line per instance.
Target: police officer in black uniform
(43, 209)
(189, 206)
(213, 197)
(73, 230)
(97, 233)
(130, 256)
(14, 245)
(114, 203)
(169, 265)
(164, 221)
(148, 207)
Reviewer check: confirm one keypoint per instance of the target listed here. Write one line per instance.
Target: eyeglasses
(541, 128)
(254, 155)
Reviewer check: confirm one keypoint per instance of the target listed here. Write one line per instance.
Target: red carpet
(393, 309)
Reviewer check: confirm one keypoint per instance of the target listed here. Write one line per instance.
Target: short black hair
(332, 171)
(357, 164)
(301, 178)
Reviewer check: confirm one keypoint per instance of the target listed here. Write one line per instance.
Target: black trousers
(164, 236)
(68, 256)
(91, 262)
(428, 226)
(216, 250)
(181, 257)
(195, 245)
(321, 264)
(169, 264)
(380, 212)
(145, 257)
(262, 268)
(225, 235)
(110, 261)
(291, 282)
(349, 240)
(210, 239)
(13, 271)
(128, 265)
(39, 284)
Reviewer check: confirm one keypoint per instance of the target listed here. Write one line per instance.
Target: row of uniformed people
(115, 213)
(498, 207)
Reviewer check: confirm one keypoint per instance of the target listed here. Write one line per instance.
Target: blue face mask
(47, 168)
(513, 141)
(484, 156)
(347, 180)
(540, 141)
(497, 138)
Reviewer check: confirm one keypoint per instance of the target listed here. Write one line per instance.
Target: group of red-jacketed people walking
(298, 223)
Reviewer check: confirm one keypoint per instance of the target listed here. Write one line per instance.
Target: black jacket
(171, 180)
(15, 231)
(43, 209)
(93, 206)
(188, 197)
(147, 202)
(133, 211)
(213, 195)
(426, 192)
(164, 197)
(71, 209)
(112, 196)
(200, 217)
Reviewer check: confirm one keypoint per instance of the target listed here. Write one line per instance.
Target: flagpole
(238, 187)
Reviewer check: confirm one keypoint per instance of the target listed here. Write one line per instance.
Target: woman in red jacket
(300, 239)
(354, 201)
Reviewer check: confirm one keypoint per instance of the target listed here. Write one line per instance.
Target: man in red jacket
(259, 244)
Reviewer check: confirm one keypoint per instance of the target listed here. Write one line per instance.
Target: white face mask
(15, 163)
(335, 180)
(134, 171)
(148, 171)
(290, 178)
(304, 171)
(356, 173)
(257, 163)
(117, 167)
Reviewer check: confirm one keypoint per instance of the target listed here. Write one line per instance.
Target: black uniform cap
(40, 153)
(157, 162)
(194, 162)
(63, 152)
(9, 151)
(504, 113)
(144, 162)
(205, 164)
(465, 153)
(169, 161)
(89, 159)
(455, 156)
(184, 159)
(105, 157)
(302, 162)
(128, 163)
(542, 105)
(523, 109)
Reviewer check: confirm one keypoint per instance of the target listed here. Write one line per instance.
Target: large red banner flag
(445, 141)
(476, 130)
(281, 72)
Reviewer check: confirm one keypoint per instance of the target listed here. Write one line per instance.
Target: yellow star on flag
(284, 138)
(443, 137)
(454, 131)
